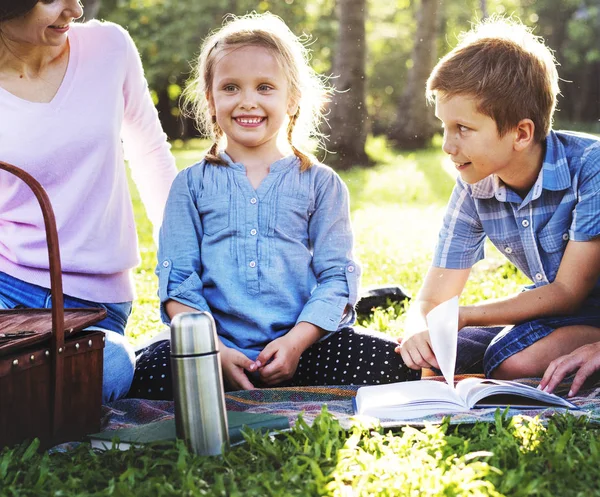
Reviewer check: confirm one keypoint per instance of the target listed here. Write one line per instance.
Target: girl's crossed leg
(347, 357)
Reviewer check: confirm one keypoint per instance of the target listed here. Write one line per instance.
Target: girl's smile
(251, 101)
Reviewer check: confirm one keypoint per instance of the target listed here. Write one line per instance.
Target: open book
(415, 399)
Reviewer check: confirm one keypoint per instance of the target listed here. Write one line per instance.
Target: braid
(305, 160)
(212, 156)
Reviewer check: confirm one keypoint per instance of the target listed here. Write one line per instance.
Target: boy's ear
(524, 134)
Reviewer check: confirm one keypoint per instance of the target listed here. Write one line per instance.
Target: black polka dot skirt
(348, 357)
(351, 357)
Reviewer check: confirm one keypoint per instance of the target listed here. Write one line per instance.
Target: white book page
(443, 332)
(479, 389)
(401, 400)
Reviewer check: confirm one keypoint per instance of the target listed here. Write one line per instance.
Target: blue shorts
(483, 349)
(119, 358)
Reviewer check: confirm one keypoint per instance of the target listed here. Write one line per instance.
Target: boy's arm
(440, 284)
(577, 275)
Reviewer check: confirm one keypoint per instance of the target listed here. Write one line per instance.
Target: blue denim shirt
(259, 260)
(562, 205)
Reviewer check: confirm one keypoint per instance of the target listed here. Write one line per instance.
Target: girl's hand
(585, 359)
(234, 363)
(284, 355)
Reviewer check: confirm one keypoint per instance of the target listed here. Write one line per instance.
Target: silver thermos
(200, 414)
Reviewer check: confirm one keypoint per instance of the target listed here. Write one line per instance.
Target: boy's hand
(416, 351)
(284, 354)
(234, 363)
(585, 359)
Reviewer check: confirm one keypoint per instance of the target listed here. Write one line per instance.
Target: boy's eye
(265, 87)
(229, 88)
(462, 128)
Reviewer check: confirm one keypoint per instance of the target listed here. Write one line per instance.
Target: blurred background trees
(383, 69)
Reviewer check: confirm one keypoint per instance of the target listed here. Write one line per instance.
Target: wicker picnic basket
(50, 374)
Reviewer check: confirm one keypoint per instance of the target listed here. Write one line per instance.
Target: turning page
(443, 332)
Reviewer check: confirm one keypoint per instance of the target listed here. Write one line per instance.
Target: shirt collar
(277, 166)
(554, 175)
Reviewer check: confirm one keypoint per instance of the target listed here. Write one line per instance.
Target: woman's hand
(233, 363)
(585, 359)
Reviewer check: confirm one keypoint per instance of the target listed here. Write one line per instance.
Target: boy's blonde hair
(306, 87)
(507, 69)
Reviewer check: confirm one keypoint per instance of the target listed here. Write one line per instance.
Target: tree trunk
(414, 126)
(347, 111)
(91, 8)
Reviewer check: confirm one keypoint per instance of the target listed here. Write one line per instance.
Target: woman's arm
(144, 142)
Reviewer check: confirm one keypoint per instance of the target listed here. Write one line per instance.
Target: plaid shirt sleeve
(585, 225)
(461, 238)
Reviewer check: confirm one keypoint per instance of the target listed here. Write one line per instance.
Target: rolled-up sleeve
(179, 259)
(331, 240)
(461, 239)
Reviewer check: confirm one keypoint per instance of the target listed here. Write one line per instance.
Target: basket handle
(57, 340)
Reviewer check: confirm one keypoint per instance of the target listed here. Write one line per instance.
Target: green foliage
(168, 34)
(516, 457)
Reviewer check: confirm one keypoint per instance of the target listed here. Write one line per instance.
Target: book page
(411, 399)
(485, 392)
(443, 332)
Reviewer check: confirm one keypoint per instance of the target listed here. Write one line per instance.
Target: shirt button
(252, 264)
(253, 200)
(166, 264)
(508, 250)
(525, 223)
(253, 232)
(566, 236)
(350, 269)
(539, 276)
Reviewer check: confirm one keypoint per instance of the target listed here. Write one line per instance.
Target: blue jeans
(483, 349)
(119, 358)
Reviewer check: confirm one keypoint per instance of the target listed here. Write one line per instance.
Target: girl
(258, 233)
(69, 92)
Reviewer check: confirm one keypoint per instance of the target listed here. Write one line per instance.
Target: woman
(72, 98)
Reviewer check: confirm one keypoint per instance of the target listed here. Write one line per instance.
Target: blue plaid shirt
(259, 260)
(562, 205)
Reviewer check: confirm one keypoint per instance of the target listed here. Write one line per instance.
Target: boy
(533, 192)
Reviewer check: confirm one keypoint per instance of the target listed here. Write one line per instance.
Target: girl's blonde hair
(306, 87)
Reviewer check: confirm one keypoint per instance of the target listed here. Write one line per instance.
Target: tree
(91, 8)
(414, 126)
(348, 116)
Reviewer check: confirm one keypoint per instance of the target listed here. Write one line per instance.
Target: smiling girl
(258, 233)
(69, 94)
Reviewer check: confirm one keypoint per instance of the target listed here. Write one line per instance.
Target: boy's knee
(516, 366)
(119, 366)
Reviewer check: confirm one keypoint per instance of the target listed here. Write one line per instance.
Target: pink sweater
(72, 146)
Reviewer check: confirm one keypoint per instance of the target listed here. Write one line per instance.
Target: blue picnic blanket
(309, 401)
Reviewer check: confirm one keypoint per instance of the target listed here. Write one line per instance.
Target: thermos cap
(193, 333)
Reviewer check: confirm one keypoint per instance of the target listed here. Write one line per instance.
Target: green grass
(512, 457)
(396, 209)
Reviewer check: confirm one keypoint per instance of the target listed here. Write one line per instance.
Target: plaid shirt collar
(554, 175)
